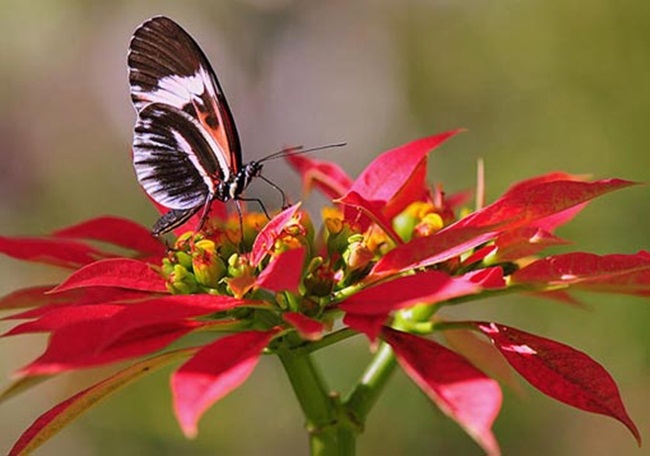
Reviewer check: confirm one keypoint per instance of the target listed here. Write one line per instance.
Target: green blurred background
(541, 86)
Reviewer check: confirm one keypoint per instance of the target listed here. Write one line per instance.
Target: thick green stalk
(371, 385)
(330, 431)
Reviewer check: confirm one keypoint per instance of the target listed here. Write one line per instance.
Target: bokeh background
(541, 85)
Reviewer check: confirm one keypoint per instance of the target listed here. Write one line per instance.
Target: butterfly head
(240, 181)
(253, 169)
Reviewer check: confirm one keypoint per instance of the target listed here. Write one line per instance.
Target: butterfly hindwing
(167, 66)
(176, 161)
(173, 219)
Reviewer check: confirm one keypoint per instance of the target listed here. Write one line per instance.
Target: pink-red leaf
(55, 419)
(85, 344)
(58, 252)
(521, 242)
(308, 328)
(414, 189)
(426, 287)
(115, 272)
(544, 178)
(483, 355)
(26, 298)
(390, 172)
(135, 329)
(372, 209)
(65, 316)
(460, 390)
(560, 296)
(488, 278)
(513, 210)
(535, 202)
(430, 250)
(551, 222)
(328, 177)
(370, 325)
(283, 273)
(559, 371)
(616, 273)
(115, 230)
(43, 301)
(479, 255)
(269, 234)
(132, 315)
(212, 373)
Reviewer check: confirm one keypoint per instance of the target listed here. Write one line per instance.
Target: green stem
(330, 430)
(371, 385)
(329, 339)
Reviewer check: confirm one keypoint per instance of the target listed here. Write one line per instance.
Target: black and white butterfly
(186, 149)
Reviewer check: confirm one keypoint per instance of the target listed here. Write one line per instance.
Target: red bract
(266, 238)
(116, 231)
(283, 272)
(370, 325)
(213, 372)
(106, 333)
(308, 328)
(430, 287)
(373, 210)
(560, 371)
(460, 390)
(386, 260)
(114, 272)
(514, 210)
(523, 242)
(397, 177)
(57, 252)
(427, 251)
(393, 180)
(31, 296)
(328, 177)
(629, 274)
(533, 203)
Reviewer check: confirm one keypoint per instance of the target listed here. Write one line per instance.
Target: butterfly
(186, 149)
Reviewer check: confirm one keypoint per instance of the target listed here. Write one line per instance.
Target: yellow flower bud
(208, 266)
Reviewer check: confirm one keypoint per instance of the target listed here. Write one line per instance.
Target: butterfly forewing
(176, 161)
(167, 66)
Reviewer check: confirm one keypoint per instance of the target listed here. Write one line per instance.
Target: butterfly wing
(176, 161)
(167, 66)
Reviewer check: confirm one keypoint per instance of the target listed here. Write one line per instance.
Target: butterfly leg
(241, 223)
(272, 184)
(256, 200)
(204, 213)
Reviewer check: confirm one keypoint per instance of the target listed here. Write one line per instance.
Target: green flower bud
(181, 281)
(319, 279)
(404, 224)
(208, 266)
(184, 259)
(357, 256)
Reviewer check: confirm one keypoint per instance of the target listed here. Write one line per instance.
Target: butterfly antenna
(299, 150)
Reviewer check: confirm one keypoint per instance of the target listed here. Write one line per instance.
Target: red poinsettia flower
(390, 254)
